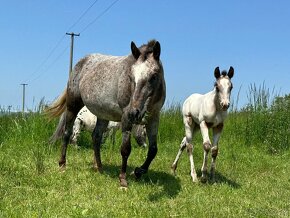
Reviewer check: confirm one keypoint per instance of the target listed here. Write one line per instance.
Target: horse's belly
(104, 110)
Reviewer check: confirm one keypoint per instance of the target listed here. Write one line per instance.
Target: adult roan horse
(127, 89)
(204, 112)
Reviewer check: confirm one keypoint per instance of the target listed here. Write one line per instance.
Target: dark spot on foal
(208, 124)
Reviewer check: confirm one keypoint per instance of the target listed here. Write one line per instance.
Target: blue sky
(195, 36)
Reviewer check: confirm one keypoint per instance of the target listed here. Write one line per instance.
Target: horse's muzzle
(135, 116)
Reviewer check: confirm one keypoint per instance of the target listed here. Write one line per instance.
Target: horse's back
(191, 105)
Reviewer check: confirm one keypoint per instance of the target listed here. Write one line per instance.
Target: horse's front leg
(206, 149)
(152, 131)
(97, 135)
(125, 150)
(214, 150)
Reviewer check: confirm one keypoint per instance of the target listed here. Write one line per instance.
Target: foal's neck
(216, 100)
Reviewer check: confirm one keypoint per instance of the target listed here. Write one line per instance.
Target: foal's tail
(57, 109)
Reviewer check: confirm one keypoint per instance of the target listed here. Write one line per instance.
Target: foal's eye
(217, 89)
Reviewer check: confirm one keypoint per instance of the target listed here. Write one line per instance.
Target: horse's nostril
(136, 113)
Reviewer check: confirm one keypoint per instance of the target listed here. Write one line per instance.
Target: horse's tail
(58, 107)
(58, 133)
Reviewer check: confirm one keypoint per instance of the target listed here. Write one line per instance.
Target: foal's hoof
(203, 179)
(173, 169)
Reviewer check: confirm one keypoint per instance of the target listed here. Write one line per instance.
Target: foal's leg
(97, 135)
(214, 150)
(152, 131)
(206, 148)
(189, 132)
(181, 148)
(125, 150)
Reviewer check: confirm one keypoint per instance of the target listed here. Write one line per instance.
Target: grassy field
(252, 171)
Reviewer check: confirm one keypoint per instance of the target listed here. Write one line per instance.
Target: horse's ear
(135, 51)
(217, 72)
(231, 72)
(156, 50)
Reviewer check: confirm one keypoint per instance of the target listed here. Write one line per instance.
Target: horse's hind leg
(182, 146)
(97, 135)
(214, 150)
(69, 120)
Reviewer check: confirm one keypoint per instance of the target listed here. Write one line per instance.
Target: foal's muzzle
(225, 106)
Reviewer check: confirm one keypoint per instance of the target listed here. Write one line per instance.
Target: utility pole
(23, 96)
(9, 109)
(72, 35)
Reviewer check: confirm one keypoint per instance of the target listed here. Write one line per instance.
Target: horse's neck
(212, 101)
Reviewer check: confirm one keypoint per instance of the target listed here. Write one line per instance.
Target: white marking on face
(141, 71)
(224, 90)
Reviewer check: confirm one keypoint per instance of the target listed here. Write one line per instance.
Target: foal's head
(146, 78)
(223, 86)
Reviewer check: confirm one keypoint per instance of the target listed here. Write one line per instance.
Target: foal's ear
(156, 50)
(217, 72)
(231, 72)
(135, 51)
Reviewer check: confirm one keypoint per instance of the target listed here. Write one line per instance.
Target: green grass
(252, 172)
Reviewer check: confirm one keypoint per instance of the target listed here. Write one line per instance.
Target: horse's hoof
(123, 181)
(123, 188)
(97, 169)
(138, 172)
(123, 184)
(62, 168)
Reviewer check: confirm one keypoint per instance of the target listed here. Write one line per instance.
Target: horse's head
(223, 86)
(147, 81)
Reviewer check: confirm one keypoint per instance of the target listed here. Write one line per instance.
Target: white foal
(204, 112)
(86, 120)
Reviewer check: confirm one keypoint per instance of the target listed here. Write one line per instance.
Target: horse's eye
(153, 78)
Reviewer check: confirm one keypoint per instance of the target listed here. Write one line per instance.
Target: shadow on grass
(221, 179)
(170, 185)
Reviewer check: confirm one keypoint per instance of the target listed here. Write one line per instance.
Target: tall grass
(264, 122)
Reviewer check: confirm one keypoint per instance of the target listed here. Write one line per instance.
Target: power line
(99, 16)
(36, 71)
(83, 14)
(52, 63)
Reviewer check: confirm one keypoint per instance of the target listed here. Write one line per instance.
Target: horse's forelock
(224, 73)
(147, 49)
